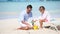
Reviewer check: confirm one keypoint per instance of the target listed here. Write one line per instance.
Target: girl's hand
(34, 20)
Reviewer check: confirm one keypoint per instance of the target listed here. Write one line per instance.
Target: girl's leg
(41, 23)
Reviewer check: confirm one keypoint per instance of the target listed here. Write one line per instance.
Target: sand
(9, 26)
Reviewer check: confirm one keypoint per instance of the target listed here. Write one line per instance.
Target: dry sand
(8, 26)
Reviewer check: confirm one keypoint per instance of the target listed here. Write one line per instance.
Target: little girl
(45, 17)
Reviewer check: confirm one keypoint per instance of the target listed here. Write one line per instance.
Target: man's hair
(42, 7)
(29, 6)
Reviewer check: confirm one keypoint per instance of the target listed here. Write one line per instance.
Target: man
(23, 19)
(45, 17)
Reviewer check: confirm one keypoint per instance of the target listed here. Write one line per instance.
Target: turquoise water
(12, 9)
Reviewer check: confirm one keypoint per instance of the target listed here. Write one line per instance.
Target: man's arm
(24, 22)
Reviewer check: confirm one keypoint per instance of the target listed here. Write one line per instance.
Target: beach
(9, 26)
(9, 12)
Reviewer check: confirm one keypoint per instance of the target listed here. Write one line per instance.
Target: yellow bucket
(35, 27)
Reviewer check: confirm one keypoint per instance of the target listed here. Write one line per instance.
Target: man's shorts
(24, 25)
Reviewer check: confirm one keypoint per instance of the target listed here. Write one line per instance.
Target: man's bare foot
(30, 28)
(23, 28)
